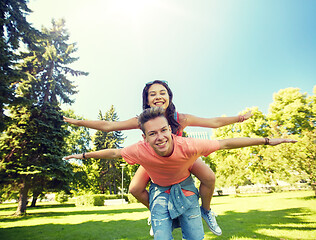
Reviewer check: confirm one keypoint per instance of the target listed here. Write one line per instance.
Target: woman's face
(158, 96)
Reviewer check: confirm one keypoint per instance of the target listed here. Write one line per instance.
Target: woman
(158, 94)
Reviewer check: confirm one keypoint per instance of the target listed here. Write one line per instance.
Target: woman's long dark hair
(171, 109)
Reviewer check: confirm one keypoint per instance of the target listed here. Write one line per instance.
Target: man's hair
(149, 114)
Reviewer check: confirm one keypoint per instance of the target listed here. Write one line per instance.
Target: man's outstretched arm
(102, 154)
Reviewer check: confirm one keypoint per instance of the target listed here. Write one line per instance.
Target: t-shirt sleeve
(131, 154)
(206, 147)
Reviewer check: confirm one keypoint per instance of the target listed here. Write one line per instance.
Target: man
(167, 159)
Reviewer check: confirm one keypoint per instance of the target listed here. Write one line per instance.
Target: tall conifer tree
(109, 176)
(33, 146)
(14, 30)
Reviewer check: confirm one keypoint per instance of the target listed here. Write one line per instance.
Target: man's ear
(144, 137)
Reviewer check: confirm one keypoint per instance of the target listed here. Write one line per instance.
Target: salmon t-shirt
(166, 171)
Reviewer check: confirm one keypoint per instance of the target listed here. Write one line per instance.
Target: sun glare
(129, 7)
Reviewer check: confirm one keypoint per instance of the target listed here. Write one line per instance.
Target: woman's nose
(158, 96)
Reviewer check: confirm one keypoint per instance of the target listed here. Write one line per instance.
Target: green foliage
(98, 199)
(14, 31)
(291, 115)
(61, 197)
(33, 146)
(105, 175)
(131, 198)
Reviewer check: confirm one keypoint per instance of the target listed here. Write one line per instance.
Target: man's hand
(276, 141)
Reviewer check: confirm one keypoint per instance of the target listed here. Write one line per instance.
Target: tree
(235, 167)
(293, 113)
(77, 141)
(14, 30)
(106, 173)
(32, 148)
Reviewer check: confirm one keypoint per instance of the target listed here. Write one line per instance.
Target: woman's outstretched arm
(191, 120)
(105, 126)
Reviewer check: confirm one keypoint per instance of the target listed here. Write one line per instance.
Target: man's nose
(159, 135)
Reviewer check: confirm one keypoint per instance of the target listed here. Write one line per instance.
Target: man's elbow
(116, 153)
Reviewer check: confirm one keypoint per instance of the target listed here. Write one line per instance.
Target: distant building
(200, 135)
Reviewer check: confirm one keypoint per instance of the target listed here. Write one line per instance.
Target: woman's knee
(135, 189)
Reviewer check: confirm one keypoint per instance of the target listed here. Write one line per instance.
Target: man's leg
(191, 222)
(160, 218)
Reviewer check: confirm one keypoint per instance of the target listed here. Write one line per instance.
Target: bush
(98, 199)
(61, 197)
(131, 198)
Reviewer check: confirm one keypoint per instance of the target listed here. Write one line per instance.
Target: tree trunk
(33, 204)
(314, 187)
(114, 186)
(34, 200)
(110, 188)
(237, 190)
(21, 210)
(36, 193)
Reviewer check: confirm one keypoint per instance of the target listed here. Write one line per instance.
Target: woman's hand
(71, 121)
(248, 115)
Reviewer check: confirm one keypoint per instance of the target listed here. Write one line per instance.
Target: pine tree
(14, 30)
(32, 148)
(109, 174)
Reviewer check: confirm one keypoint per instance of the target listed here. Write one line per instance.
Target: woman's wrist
(241, 118)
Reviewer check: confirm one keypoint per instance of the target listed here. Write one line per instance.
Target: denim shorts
(190, 221)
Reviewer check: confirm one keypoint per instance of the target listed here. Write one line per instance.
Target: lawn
(288, 215)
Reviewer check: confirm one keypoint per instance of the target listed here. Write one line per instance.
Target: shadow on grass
(73, 212)
(233, 224)
(249, 224)
(65, 205)
(122, 229)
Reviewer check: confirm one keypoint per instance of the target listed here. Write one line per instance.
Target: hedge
(98, 199)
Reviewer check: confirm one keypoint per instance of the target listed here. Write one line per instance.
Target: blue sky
(219, 57)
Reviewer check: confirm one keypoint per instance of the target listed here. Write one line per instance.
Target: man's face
(158, 135)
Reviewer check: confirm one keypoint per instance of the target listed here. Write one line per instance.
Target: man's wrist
(266, 141)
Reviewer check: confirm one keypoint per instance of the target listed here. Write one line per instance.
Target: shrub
(131, 198)
(61, 197)
(98, 199)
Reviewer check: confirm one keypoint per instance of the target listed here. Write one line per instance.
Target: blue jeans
(190, 221)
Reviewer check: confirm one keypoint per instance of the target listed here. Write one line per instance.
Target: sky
(219, 57)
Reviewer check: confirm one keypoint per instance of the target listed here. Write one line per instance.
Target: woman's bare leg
(207, 177)
(207, 186)
(138, 185)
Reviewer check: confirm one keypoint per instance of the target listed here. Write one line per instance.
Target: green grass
(289, 215)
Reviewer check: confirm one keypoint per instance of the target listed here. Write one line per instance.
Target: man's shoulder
(137, 148)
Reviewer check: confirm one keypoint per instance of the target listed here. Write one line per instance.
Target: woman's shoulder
(184, 119)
